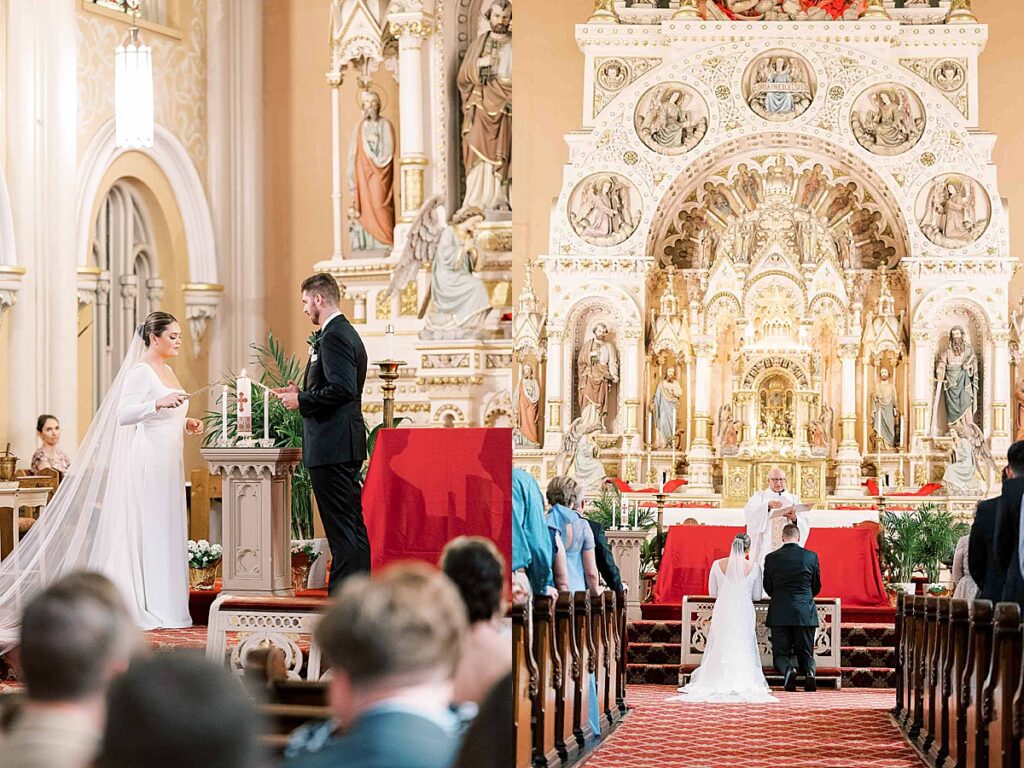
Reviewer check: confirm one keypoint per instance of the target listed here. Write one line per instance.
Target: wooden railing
(557, 645)
(960, 681)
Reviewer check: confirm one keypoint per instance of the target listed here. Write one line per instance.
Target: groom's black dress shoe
(810, 684)
(789, 681)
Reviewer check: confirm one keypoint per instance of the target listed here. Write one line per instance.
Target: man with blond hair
(393, 642)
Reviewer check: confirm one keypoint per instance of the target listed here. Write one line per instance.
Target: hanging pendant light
(133, 90)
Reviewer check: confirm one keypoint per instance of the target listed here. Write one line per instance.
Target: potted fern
(939, 534)
(901, 547)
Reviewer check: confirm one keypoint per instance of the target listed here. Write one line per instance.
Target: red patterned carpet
(826, 729)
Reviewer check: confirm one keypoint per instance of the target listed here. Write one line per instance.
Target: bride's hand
(172, 400)
(194, 426)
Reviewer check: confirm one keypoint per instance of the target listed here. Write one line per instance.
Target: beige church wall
(297, 155)
(179, 72)
(146, 177)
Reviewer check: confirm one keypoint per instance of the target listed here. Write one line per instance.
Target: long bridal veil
(90, 523)
(731, 668)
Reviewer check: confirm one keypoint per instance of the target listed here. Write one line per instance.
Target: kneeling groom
(792, 577)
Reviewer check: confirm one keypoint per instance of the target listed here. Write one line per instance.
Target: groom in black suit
(334, 438)
(792, 577)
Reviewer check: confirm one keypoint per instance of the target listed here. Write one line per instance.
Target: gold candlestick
(660, 499)
(687, 11)
(388, 374)
(875, 10)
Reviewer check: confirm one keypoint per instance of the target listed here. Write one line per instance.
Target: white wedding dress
(120, 510)
(730, 671)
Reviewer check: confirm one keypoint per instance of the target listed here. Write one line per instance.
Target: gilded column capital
(848, 350)
(412, 25)
(1001, 335)
(334, 79)
(921, 336)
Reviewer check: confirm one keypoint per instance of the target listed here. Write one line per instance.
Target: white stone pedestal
(625, 544)
(256, 518)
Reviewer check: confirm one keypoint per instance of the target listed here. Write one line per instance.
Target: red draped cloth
(427, 486)
(848, 557)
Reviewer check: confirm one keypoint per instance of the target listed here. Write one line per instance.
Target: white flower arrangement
(202, 554)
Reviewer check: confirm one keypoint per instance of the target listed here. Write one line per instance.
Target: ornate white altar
(800, 219)
(452, 381)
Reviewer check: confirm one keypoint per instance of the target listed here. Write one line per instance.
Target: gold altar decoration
(875, 11)
(742, 478)
(604, 13)
(960, 12)
(687, 11)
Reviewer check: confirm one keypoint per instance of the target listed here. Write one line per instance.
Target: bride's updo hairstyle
(155, 325)
(745, 539)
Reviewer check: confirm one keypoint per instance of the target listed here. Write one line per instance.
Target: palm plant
(901, 544)
(940, 532)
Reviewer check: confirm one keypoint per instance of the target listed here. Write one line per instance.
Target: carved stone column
(923, 353)
(256, 517)
(701, 478)
(1001, 426)
(848, 456)
(625, 546)
(129, 301)
(412, 29)
(553, 422)
(334, 81)
(154, 292)
(201, 303)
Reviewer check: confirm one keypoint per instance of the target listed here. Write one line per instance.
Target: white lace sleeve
(137, 402)
(713, 579)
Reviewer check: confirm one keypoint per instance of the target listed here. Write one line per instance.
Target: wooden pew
(585, 643)
(901, 663)
(940, 727)
(525, 682)
(620, 678)
(283, 704)
(929, 675)
(979, 655)
(952, 686)
(598, 629)
(915, 663)
(549, 672)
(572, 678)
(611, 622)
(997, 697)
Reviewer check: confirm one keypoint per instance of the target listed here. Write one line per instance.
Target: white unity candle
(224, 415)
(243, 399)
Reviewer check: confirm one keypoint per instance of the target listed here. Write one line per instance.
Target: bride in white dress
(730, 671)
(121, 508)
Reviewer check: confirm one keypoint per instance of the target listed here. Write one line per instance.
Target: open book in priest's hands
(798, 508)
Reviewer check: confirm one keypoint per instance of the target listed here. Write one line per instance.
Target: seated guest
(475, 566)
(489, 740)
(49, 456)
(176, 709)
(566, 498)
(1006, 546)
(964, 585)
(393, 642)
(74, 641)
(981, 552)
(531, 547)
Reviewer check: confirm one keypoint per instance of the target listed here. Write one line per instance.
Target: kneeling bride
(731, 668)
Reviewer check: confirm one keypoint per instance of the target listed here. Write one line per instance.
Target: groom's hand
(289, 396)
(291, 388)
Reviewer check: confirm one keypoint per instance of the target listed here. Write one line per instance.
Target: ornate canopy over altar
(779, 239)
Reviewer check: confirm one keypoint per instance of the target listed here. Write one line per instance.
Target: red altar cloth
(427, 486)
(848, 557)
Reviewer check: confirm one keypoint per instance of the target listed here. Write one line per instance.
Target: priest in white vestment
(766, 514)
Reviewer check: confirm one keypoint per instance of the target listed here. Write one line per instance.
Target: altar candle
(243, 400)
(266, 413)
(648, 466)
(663, 476)
(672, 471)
(650, 429)
(224, 415)
(389, 332)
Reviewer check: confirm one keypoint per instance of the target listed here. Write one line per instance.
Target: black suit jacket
(981, 555)
(1007, 540)
(605, 562)
(792, 577)
(331, 398)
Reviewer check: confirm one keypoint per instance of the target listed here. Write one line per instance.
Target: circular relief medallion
(953, 210)
(779, 85)
(948, 75)
(671, 118)
(613, 74)
(604, 209)
(887, 119)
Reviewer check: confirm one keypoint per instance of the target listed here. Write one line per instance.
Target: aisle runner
(826, 729)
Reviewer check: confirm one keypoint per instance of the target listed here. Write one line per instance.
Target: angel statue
(579, 451)
(457, 298)
(667, 124)
(950, 218)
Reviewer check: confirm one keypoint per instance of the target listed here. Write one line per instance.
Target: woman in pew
(965, 586)
(565, 496)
